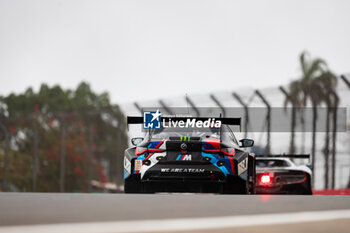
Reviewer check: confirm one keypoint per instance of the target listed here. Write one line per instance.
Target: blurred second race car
(278, 174)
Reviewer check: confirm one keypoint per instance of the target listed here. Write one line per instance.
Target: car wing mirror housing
(136, 141)
(246, 142)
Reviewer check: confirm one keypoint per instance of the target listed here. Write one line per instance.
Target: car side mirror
(136, 141)
(247, 142)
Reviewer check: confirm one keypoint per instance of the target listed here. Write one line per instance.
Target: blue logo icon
(151, 120)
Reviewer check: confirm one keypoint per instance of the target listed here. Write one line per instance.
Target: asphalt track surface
(18, 209)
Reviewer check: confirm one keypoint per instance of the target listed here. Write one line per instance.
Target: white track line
(183, 224)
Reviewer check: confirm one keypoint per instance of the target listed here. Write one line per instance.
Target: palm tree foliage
(314, 86)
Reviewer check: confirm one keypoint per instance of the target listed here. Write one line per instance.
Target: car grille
(180, 177)
(182, 162)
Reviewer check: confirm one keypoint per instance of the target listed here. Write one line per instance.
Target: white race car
(279, 175)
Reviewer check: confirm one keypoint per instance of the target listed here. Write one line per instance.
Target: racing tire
(251, 174)
(308, 190)
(235, 185)
(148, 188)
(133, 184)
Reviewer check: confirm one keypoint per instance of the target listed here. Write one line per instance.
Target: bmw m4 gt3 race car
(193, 159)
(279, 175)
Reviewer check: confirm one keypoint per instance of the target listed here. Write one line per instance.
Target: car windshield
(272, 163)
(224, 133)
(185, 132)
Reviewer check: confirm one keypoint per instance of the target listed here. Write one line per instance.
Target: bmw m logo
(151, 119)
(184, 157)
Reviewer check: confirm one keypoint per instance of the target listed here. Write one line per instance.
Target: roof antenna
(188, 109)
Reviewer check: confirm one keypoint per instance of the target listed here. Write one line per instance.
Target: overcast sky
(140, 50)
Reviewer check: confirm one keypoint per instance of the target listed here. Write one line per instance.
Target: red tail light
(265, 179)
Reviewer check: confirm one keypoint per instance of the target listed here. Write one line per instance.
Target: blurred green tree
(52, 147)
